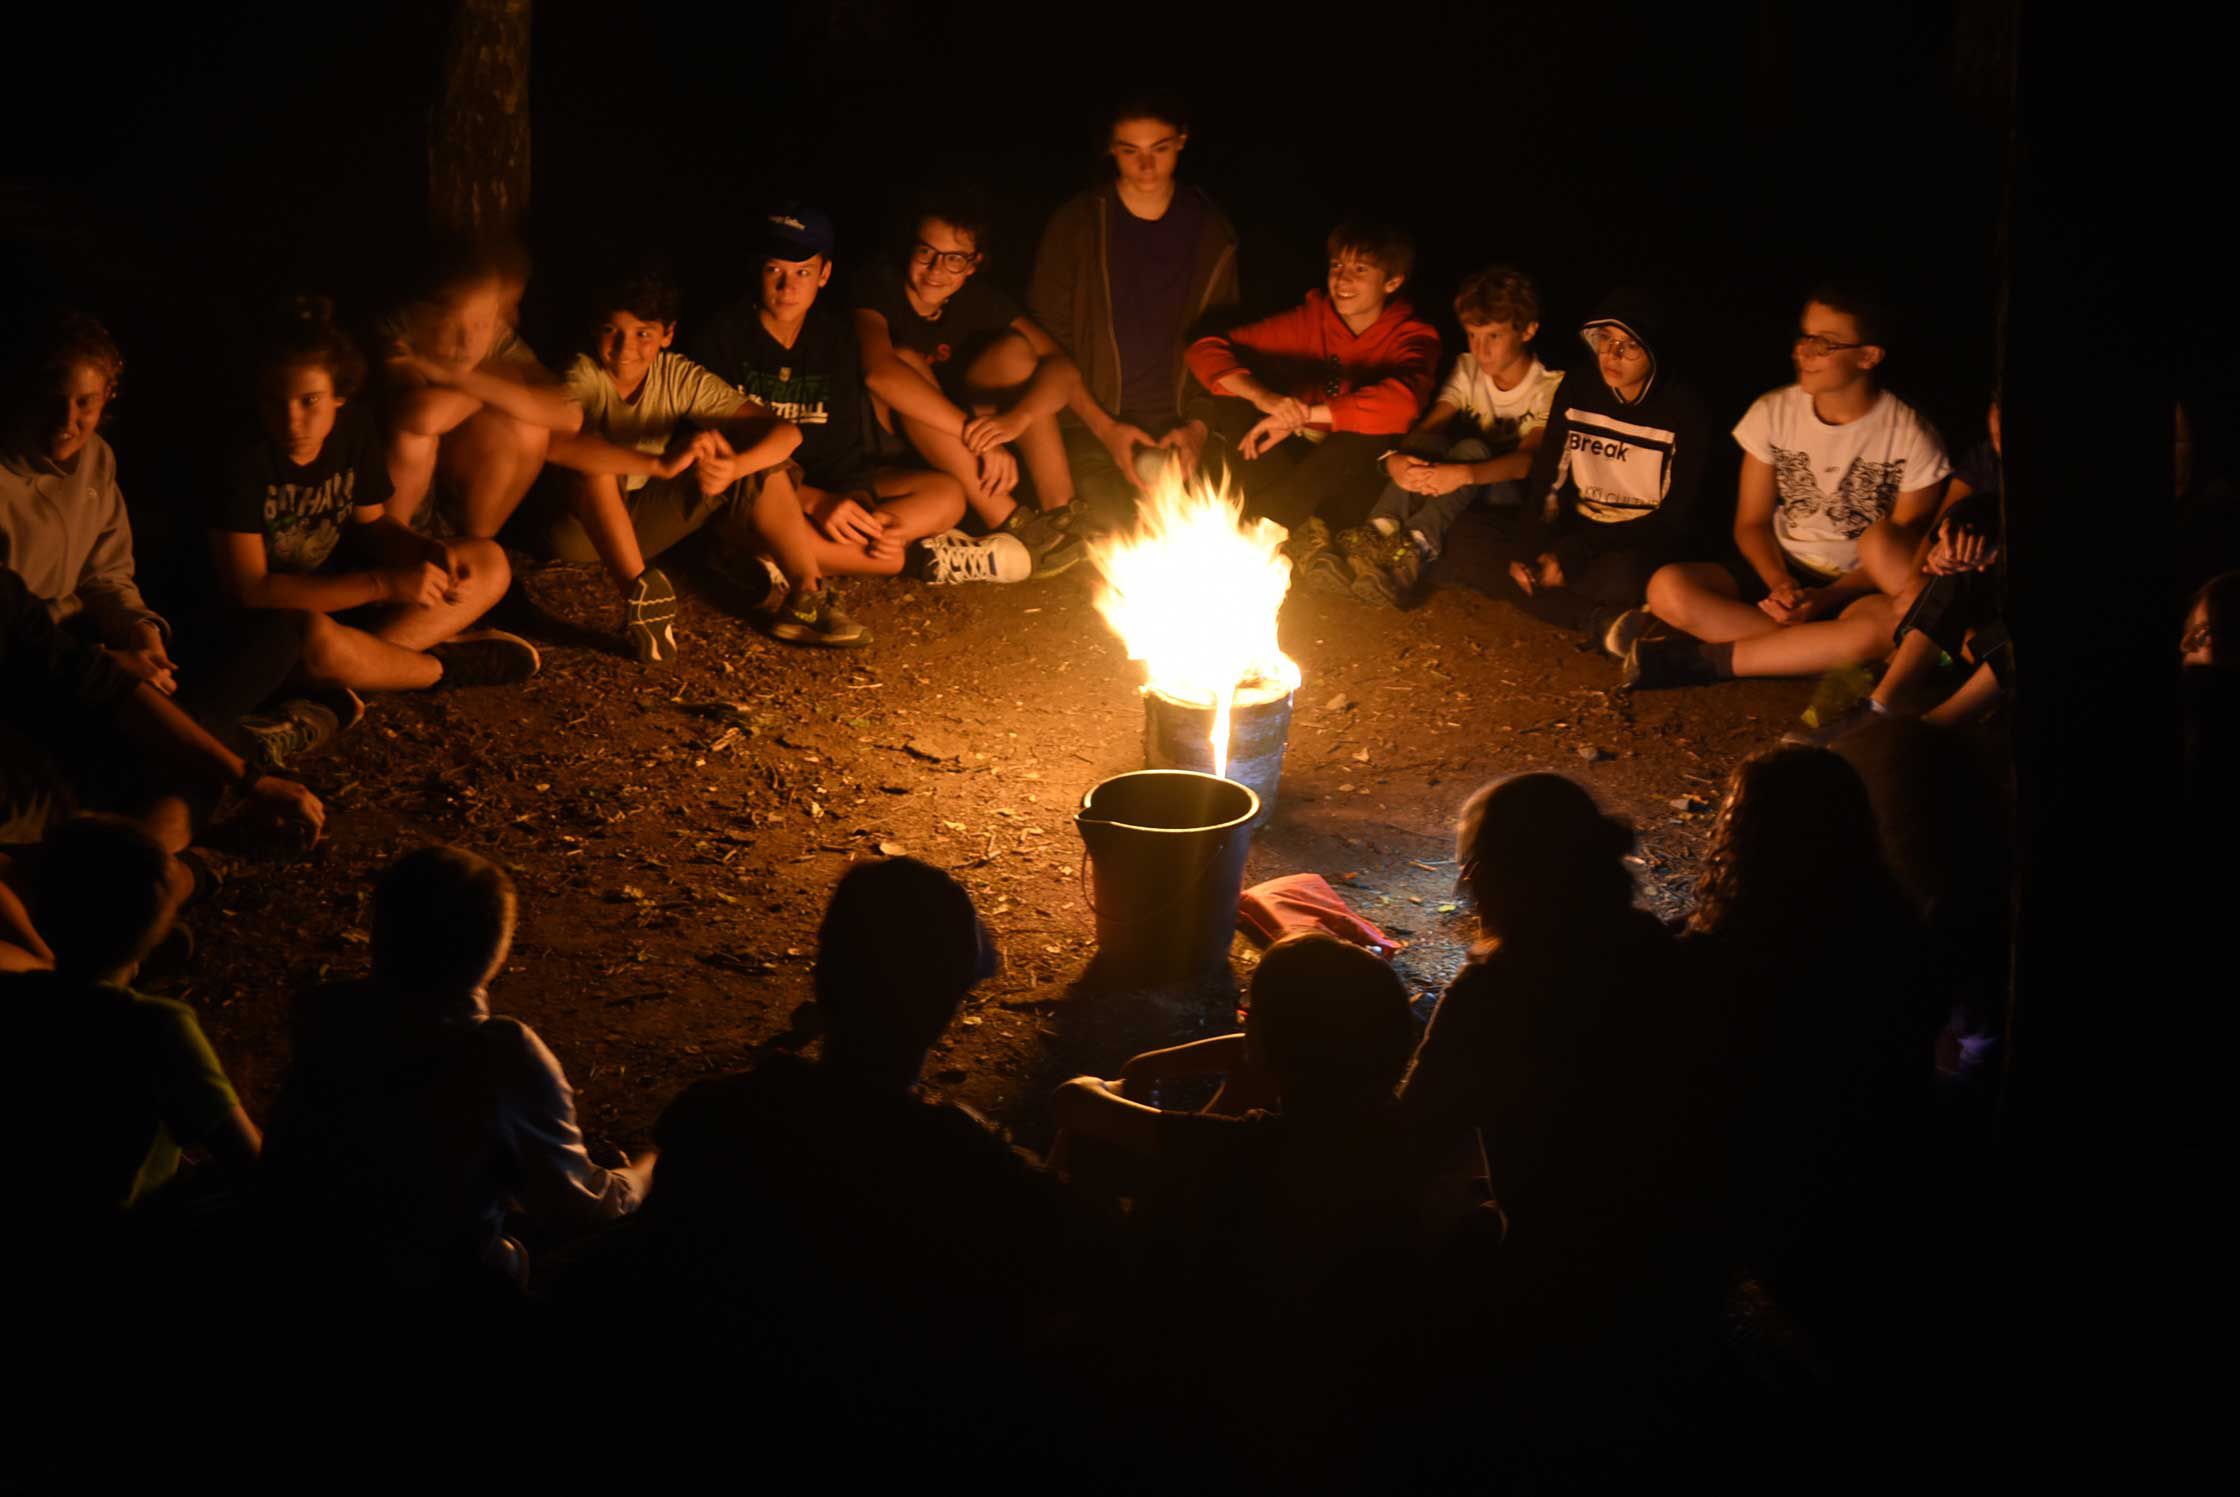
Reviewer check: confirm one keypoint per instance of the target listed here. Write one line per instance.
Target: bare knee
(322, 661)
(1667, 593)
(1004, 364)
(487, 570)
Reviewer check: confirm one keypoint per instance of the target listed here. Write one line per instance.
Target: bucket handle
(1088, 889)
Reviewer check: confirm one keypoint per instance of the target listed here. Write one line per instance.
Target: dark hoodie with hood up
(1610, 473)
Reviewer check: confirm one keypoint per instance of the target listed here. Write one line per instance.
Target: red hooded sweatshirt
(1375, 382)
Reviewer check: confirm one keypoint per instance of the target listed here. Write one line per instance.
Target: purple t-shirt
(1151, 264)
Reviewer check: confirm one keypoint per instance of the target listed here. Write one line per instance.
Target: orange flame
(1193, 591)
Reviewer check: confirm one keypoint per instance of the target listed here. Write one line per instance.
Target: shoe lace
(966, 563)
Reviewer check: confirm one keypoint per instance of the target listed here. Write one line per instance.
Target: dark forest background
(1725, 156)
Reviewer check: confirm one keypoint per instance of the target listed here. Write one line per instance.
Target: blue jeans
(1432, 515)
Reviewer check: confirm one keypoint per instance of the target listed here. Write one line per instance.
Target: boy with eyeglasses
(1612, 492)
(1300, 406)
(963, 375)
(831, 511)
(1840, 479)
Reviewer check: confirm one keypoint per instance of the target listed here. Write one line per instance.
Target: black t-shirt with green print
(303, 512)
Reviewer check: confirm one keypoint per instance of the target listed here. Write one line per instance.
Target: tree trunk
(478, 127)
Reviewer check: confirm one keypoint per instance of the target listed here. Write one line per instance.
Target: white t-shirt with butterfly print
(1832, 482)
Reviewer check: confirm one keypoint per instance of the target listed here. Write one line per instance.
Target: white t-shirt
(1503, 417)
(674, 390)
(1832, 482)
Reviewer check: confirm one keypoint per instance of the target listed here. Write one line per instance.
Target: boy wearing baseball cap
(844, 515)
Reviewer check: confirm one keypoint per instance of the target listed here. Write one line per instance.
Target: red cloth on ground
(1305, 901)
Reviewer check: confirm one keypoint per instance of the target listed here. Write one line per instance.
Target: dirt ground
(674, 834)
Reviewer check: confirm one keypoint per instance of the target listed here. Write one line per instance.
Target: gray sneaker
(1620, 632)
(294, 730)
(1389, 578)
(486, 657)
(1841, 726)
(649, 616)
(953, 558)
(814, 618)
(1328, 572)
(1049, 536)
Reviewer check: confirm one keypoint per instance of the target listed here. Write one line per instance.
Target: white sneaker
(955, 557)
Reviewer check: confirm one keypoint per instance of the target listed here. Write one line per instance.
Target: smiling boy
(1839, 481)
(962, 373)
(1299, 406)
(1477, 440)
(786, 346)
(649, 415)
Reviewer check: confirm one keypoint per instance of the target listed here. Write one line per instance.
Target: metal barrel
(1179, 735)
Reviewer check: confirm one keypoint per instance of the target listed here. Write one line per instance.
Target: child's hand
(718, 463)
(1122, 442)
(1186, 442)
(847, 522)
(1789, 603)
(1443, 478)
(290, 805)
(999, 472)
(1271, 429)
(424, 586)
(144, 665)
(982, 433)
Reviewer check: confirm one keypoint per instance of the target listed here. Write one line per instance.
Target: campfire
(1192, 590)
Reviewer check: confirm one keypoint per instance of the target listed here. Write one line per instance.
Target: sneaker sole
(802, 634)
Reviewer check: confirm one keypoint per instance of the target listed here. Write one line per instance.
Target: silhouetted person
(412, 1118)
(1813, 963)
(870, 1253)
(114, 1084)
(1570, 1045)
(1280, 1246)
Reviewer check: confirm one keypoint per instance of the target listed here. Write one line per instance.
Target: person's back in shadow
(825, 1229)
(1572, 1044)
(412, 1120)
(1275, 1249)
(1818, 961)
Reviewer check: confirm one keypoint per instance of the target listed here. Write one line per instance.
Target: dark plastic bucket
(1166, 851)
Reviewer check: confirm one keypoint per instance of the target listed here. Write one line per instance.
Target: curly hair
(62, 339)
(647, 290)
(1795, 831)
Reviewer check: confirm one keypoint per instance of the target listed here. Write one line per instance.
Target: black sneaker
(1328, 572)
(348, 707)
(816, 619)
(1309, 538)
(1048, 535)
(487, 657)
(295, 729)
(1666, 660)
(745, 582)
(1618, 634)
(1388, 579)
(649, 614)
(1359, 542)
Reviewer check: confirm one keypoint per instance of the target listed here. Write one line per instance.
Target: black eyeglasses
(923, 253)
(1820, 346)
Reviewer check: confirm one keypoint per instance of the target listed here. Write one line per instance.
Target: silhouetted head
(1796, 840)
(899, 948)
(108, 892)
(1330, 1021)
(442, 923)
(1538, 855)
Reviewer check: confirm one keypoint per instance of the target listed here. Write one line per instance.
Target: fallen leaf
(892, 849)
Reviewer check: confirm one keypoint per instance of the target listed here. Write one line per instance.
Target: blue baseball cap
(795, 233)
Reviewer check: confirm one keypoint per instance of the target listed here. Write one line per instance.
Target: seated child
(649, 415)
(80, 730)
(1839, 481)
(325, 590)
(1612, 492)
(1955, 609)
(834, 1205)
(1122, 272)
(123, 1082)
(63, 526)
(964, 375)
(1501, 395)
(795, 352)
(412, 1119)
(1344, 372)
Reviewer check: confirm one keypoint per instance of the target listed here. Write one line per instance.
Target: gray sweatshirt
(65, 533)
